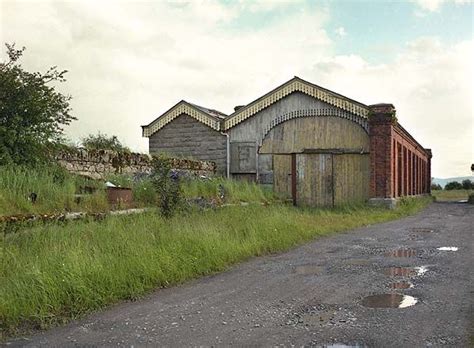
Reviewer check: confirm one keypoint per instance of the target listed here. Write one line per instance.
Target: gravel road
(315, 295)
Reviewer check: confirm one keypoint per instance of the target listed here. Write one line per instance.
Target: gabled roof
(296, 85)
(209, 117)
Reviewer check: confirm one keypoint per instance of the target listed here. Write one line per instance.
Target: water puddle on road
(401, 285)
(401, 253)
(405, 271)
(308, 269)
(448, 249)
(389, 301)
(358, 262)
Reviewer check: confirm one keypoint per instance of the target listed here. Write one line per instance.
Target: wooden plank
(314, 180)
(282, 175)
(351, 178)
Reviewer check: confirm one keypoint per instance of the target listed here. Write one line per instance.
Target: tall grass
(52, 273)
(451, 195)
(54, 187)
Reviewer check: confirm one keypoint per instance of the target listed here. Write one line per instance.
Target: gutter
(227, 154)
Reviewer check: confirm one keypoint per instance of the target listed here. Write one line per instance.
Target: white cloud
(435, 5)
(430, 84)
(341, 31)
(130, 62)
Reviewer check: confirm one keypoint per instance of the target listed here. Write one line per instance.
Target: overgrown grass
(52, 273)
(451, 195)
(234, 191)
(54, 187)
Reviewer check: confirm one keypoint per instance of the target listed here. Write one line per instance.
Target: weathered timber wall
(99, 164)
(185, 136)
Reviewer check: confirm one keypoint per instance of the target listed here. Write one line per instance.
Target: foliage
(167, 184)
(51, 273)
(436, 187)
(467, 184)
(54, 187)
(102, 141)
(32, 112)
(453, 185)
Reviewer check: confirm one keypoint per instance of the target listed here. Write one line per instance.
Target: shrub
(167, 185)
(467, 184)
(436, 187)
(453, 185)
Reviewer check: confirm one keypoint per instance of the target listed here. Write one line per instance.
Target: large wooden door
(351, 178)
(314, 180)
(282, 178)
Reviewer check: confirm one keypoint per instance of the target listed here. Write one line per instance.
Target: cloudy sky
(129, 62)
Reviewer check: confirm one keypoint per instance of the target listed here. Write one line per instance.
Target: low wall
(98, 164)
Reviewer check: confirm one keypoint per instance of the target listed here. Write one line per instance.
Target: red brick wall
(400, 166)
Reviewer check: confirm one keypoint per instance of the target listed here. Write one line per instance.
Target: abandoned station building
(315, 146)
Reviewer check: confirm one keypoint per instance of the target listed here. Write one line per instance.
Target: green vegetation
(52, 273)
(55, 189)
(451, 195)
(32, 113)
(102, 141)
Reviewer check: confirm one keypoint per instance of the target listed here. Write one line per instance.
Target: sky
(129, 61)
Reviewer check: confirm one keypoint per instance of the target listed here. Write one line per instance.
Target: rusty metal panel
(314, 173)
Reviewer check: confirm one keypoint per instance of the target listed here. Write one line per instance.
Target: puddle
(422, 230)
(402, 253)
(389, 301)
(401, 285)
(448, 249)
(308, 269)
(405, 271)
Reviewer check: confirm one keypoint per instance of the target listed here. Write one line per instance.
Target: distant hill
(443, 182)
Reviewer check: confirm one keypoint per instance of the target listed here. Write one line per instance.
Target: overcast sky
(129, 62)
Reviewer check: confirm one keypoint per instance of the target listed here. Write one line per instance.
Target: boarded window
(243, 157)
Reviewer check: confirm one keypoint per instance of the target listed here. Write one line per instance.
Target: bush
(102, 141)
(436, 187)
(453, 185)
(167, 185)
(467, 184)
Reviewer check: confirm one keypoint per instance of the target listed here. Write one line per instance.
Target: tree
(436, 187)
(32, 112)
(453, 185)
(467, 184)
(101, 141)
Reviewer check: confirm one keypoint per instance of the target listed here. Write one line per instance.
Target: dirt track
(311, 295)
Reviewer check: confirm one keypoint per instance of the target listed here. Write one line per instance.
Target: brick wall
(400, 166)
(185, 136)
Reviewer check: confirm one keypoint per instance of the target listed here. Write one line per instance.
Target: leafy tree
(467, 184)
(101, 141)
(32, 112)
(453, 185)
(436, 187)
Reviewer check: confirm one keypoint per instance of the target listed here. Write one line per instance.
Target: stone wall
(185, 136)
(101, 163)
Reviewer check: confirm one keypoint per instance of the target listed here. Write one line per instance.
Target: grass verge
(451, 195)
(52, 273)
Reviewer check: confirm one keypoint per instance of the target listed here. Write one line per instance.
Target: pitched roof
(220, 121)
(296, 84)
(209, 117)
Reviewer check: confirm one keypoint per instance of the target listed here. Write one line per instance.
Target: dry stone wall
(98, 164)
